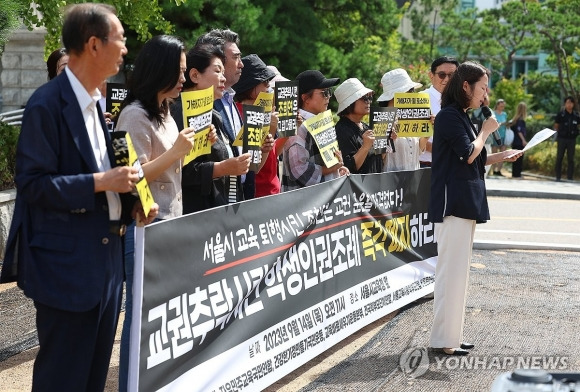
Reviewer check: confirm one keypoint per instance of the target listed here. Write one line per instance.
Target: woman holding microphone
(458, 198)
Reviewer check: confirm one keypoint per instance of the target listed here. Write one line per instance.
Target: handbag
(509, 137)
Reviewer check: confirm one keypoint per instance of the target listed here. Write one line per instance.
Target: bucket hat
(350, 91)
(396, 81)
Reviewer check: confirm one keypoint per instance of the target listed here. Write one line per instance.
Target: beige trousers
(454, 243)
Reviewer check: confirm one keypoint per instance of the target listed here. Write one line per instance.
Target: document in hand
(537, 139)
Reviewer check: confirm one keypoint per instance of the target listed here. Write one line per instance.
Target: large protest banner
(236, 297)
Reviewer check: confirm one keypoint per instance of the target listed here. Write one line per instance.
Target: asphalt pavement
(523, 310)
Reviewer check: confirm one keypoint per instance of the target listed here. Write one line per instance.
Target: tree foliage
(141, 16)
(343, 38)
(10, 10)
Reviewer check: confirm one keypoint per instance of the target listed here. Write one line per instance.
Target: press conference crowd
(71, 242)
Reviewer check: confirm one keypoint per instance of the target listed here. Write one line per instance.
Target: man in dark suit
(65, 242)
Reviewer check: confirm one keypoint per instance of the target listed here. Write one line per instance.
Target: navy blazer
(457, 187)
(230, 132)
(60, 249)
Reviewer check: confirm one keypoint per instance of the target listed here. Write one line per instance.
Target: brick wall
(23, 68)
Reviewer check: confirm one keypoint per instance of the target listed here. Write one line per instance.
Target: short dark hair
(156, 70)
(570, 98)
(443, 60)
(470, 72)
(52, 62)
(347, 110)
(83, 21)
(199, 57)
(219, 37)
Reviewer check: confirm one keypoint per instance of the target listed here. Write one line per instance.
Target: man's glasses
(367, 98)
(326, 93)
(122, 39)
(442, 75)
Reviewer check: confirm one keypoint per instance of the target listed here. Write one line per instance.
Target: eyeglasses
(367, 98)
(326, 93)
(442, 75)
(122, 39)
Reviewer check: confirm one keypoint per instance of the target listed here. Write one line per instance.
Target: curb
(495, 245)
(532, 194)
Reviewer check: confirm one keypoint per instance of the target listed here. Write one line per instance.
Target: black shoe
(499, 174)
(451, 351)
(467, 346)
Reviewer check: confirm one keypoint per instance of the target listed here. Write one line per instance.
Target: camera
(536, 380)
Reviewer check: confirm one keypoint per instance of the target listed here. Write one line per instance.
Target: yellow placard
(197, 111)
(321, 127)
(413, 114)
(142, 186)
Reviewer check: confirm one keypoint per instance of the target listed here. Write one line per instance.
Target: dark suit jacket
(457, 188)
(249, 183)
(60, 249)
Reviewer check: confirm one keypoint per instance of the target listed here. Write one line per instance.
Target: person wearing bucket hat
(303, 164)
(355, 138)
(254, 80)
(406, 149)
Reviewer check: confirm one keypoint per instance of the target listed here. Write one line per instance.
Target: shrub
(542, 159)
(8, 139)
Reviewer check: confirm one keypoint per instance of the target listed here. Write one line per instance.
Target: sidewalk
(532, 185)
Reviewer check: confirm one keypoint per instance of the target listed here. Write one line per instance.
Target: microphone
(487, 114)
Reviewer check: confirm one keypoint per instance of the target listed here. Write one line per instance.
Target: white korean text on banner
(286, 102)
(236, 297)
(252, 134)
(115, 95)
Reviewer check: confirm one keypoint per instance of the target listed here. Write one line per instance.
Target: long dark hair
(199, 57)
(157, 70)
(470, 72)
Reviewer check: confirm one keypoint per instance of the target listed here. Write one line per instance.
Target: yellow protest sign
(321, 127)
(413, 114)
(197, 111)
(125, 155)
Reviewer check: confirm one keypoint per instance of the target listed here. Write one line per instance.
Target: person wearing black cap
(254, 80)
(303, 164)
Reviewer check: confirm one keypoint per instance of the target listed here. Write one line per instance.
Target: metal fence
(13, 117)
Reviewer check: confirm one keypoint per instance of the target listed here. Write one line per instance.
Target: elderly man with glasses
(441, 71)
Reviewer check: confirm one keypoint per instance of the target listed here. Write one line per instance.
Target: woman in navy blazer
(458, 198)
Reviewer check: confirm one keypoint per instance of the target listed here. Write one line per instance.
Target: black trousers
(75, 347)
(567, 146)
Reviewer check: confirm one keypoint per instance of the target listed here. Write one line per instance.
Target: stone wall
(23, 68)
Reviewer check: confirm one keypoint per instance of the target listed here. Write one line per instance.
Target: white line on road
(527, 232)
